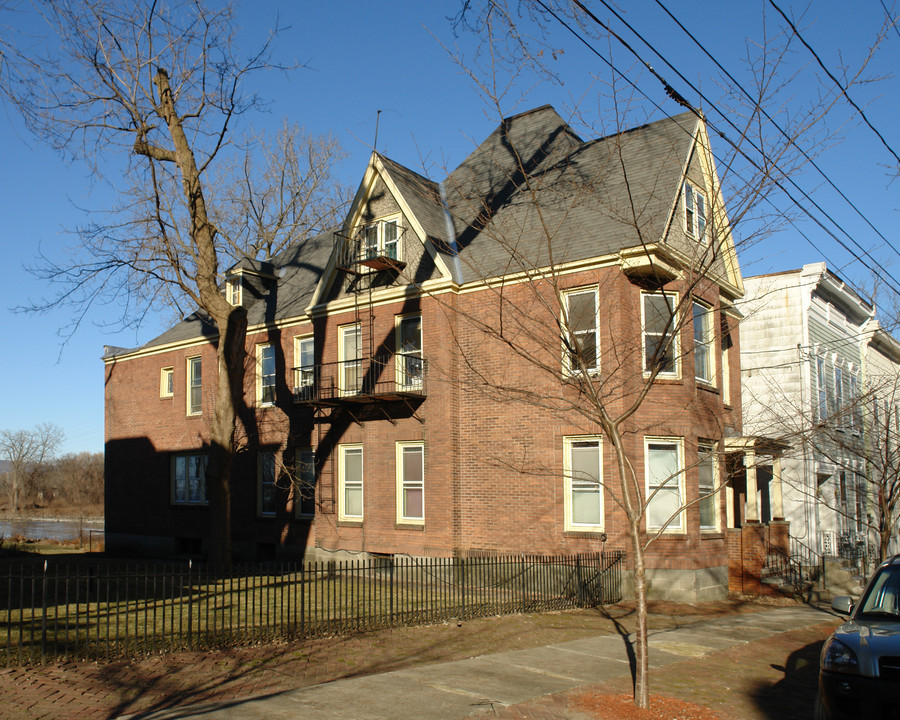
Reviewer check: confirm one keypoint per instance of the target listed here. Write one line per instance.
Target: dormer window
(381, 239)
(233, 290)
(694, 213)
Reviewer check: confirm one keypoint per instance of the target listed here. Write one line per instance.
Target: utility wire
(678, 98)
(837, 82)
(787, 137)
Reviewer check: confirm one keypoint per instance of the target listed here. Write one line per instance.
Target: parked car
(859, 669)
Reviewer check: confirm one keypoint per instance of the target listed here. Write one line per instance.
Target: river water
(61, 530)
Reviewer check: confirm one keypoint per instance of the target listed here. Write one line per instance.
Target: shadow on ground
(792, 697)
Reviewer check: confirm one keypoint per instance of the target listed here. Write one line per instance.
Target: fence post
(391, 603)
(190, 622)
(578, 581)
(44, 616)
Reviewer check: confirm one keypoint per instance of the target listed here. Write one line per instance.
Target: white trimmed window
(350, 478)
(194, 386)
(304, 359)
(166, 382)
(855, 409)
(727, 344)
(408, 332)
(583, 493)
(305, 477)
(707, 485)
(839, 391)
(410, 482)
(189, 479)
(581, 344)
(694, 213)
(234, 290)
(665, 484)
(265, 374)
(349, 337)
(660, 341)
(382, 239)
(704, 365)
(267, 495)
(821, 390)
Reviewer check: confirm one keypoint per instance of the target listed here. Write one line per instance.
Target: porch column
(777, 498)
(729, 506)
(751, 505)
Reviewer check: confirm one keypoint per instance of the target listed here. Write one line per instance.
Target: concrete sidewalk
(459, 689)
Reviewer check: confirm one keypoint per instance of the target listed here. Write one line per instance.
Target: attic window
(381, 239)
(233, 290)
(694, 213)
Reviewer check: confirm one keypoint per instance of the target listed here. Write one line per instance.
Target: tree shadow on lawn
(793, 696)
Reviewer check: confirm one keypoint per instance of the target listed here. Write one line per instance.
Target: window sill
(584, 534)
(707, 387)
(409, 526)
(711, 535)
(666, 379)
(350, 523)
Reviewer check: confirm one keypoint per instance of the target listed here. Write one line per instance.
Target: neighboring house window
(727, 344)
(694, 212)
(266, 485)
(304, 358)
(664, 484)
(195, 386)
(703, 343)
(381, 239)
(350, 476)
(855, 409)
(350, 363)
(265, 373)
(306, 483)
(583, 498)
(411, 482)
(234, 289)
(821, 390)
(660, 340)
(582, 346)
(839, 393)
(706, 484)
(166, 382)
(409, 351)
(189, 479)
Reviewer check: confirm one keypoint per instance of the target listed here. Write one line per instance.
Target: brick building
(420, 380)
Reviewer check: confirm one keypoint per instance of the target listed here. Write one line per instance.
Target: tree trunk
(642, 654)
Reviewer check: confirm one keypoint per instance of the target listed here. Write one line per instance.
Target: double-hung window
(583, 496)
(234, 290)
(660, 343)
(409, 351)
(381, 239)
(694, 212)
(706, 485)
(194, 386)
(665, 492)
(410, 482)
(267, 497)
(189, 479)
(304, 359)
(580, 338)
(821, 390)
(166, 382)
(265, 368)
(703, 343)
(350, 361)
(350, 477)
(855, 410)
(839, 394)
(305, 478)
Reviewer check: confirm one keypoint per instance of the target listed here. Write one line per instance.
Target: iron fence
(106, 611)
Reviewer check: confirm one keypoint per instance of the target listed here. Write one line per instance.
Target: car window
(883, 597)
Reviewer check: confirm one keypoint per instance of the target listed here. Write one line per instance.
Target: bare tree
(148, 95)
(78, 478)
(27, 451)
(537, 318)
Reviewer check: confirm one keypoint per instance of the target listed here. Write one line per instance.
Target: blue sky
(361, 57)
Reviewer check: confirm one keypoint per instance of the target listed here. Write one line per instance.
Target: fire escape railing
(387, 376)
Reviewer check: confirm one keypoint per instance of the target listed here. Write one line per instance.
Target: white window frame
(726, 344)
(234, 290)
(404, 483)
(839, 395)
(409, 365)
(264, 458)
(261, 377)
(194, 383)
(166, 382)
(305, 480)
(343, 451)
(706, 452)
(821, 389)
(673, 523)
(855, 409)
(696, 219)
(187, 461)
(378, 230)
(572, 484)
(703, 347)
(674, 347)
(305, 373)
(347, 363)
(568, 366)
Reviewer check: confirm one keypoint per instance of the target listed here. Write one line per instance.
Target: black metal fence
(106, 611)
